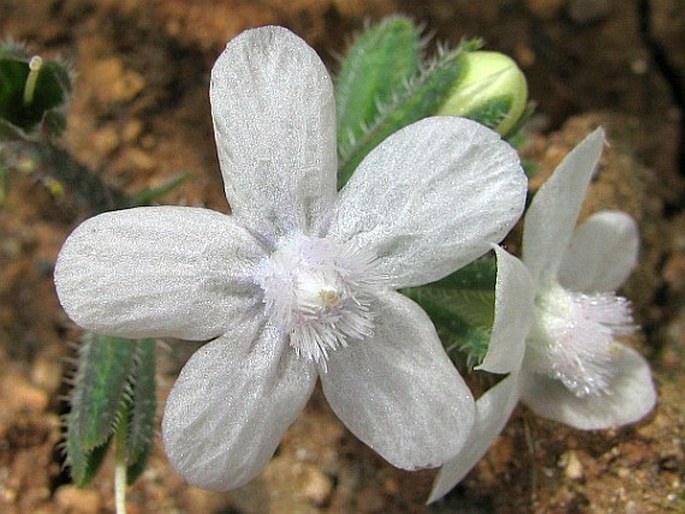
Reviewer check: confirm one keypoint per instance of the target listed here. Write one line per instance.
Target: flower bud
(492, 90)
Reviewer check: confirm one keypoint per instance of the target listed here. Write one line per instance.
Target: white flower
(557, 317)
(299, 281)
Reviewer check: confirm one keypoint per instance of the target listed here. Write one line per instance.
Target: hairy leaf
(101, 383)
(377, 67)
(462, 307)
(142, 412)
(85, 463)
(421, 97)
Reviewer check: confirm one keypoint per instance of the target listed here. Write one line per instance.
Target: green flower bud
(492, 90)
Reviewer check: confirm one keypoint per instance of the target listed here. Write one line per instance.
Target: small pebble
(20, 395)
(77, 500)
(139, 159)
(113, 83)
(131, 131)
(106, 139)
(316, 487)
(573, 468)
(46, 373)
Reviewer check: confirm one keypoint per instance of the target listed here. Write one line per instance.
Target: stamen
(317, 290)
(608, 310)
(329, 297)
(573, 338)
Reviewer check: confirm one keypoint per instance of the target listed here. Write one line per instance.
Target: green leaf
(462, 307)
(377, 67)
(421, 97)
(101, 383)
(493, 113)
(84, 463)
(463, 318)
(142, 412)
(76, 188)
(114, 389)
(149, 195)
(478, 275)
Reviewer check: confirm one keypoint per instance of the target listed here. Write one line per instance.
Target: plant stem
(120, 467)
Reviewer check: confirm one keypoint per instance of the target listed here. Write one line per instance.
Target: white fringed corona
(573, 337)
(315, 290)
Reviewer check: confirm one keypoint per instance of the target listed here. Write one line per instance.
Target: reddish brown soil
(140, 115)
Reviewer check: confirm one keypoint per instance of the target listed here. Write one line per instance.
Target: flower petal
(397, 390)
(431, 198)
(274, 122)
(632, 396)
(232, 403)
(552, 214)
(514, 293)
(157, 271)
(492, 412)
(602, 253)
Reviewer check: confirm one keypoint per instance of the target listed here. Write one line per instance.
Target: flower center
(317, 290)
(572, 339)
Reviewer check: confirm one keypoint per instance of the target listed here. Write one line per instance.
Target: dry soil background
(140, 115)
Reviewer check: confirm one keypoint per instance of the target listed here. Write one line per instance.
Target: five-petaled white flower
(557, 317)
(299, 281)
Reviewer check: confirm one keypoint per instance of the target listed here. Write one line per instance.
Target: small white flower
(299, 282)
(557, 317)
